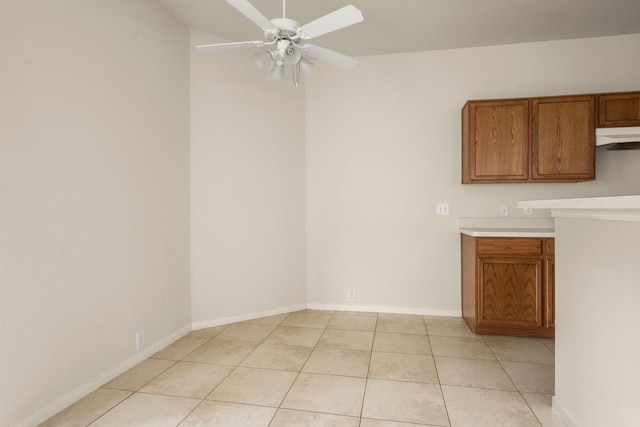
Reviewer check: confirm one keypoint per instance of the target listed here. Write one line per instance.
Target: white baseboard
(564, 416)
(385, 309)
(81, 391)
(202, 324)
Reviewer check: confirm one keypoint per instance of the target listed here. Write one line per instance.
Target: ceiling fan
(284, 35)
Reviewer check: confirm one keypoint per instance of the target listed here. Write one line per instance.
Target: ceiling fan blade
(330, 56)
(249, 10)
(229, 46)
(341, 18)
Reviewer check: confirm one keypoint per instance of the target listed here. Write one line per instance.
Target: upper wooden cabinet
(619, 109)
(529, 140)
(563, 139)
(495, 141)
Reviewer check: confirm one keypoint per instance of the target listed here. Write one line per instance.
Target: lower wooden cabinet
(507, 285)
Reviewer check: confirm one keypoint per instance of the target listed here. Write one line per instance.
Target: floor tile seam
(311, 411)
(149, 394)
(239, 364)
(404, 381)
(366, 380)
(261, 368)
(175, 362)
(501, 359)
(444, 402)
(483, 389)
(400, 333)
(510, 378)
(207, 399)
(156, 357)
(446, 356)
(334, 328)
(527, 363)
(518, 392)
(402, 352)
(131, 393)
(190, 412)
(299, 372)
(514, 389)
(257, 345)
(195, 349)
(315, 411)
(334, 375)
(468, 337)
(531, 409)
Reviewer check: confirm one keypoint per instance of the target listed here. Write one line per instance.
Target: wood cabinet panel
(510, 293)
(497, 140)
(508, 285)
(509, 246)
(563, 140)
(548, 139)
(619, 109)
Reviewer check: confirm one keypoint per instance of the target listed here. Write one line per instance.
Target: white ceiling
(394, 26)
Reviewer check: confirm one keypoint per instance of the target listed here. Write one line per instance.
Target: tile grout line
(299, 371)
(366, 379)
(435, 365)
(513, 382)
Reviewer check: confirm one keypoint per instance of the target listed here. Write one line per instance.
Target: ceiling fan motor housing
(287, 28)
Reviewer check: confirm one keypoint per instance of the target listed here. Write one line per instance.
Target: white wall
(383, 147)
(598, 302)
(247, 189)
(94, 187)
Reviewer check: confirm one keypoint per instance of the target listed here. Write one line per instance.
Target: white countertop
(620, 208)
(508, 232)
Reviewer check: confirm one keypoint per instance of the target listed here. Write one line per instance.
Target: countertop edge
(616, 208)
(507, 232)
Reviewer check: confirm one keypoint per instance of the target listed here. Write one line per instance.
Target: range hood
(618, 138)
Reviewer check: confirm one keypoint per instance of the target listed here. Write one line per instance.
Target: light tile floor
(321, 368)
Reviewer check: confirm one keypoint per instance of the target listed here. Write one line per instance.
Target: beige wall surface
(384, 147)
(247, 189)
(94, 188)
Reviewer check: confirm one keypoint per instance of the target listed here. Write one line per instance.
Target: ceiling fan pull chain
(295, 73)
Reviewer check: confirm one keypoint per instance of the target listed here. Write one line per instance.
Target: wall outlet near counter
(351, 296)
(504, 210)
(442, 209)
(527, 211)
(140, 339)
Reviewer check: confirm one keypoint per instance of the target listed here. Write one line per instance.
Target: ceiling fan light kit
(283, 36)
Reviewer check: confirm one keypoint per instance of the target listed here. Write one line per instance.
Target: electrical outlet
(442, 209)
(139, 339)
(527, 211)
(504, 210)
(351, 296)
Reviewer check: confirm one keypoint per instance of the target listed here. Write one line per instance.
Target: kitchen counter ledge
(508, 232)
(618, 208)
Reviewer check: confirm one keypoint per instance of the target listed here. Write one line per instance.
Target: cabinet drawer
(509, 246)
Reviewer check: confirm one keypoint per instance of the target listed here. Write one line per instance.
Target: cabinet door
(495, 141)
(619, 109)
(563, 139)
(510, 293)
